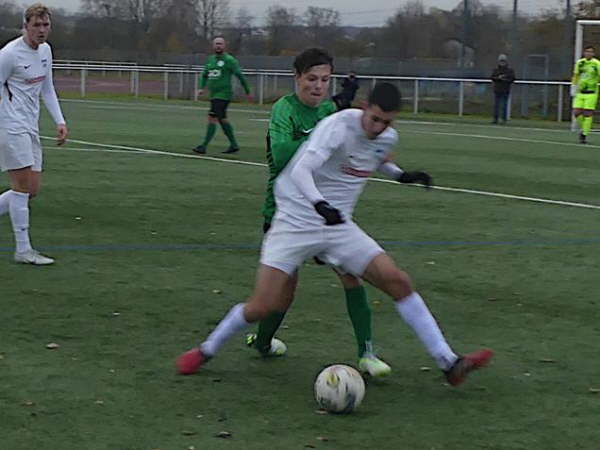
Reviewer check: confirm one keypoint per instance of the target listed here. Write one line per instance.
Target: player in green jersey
(292, 119)
(217, 74)
(584, 89)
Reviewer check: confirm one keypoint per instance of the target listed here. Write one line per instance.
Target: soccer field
(154, 244)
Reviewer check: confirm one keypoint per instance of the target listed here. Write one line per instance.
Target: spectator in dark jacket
(503, 78)
(344, 99)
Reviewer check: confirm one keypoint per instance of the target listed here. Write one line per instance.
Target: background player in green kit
(586, 76)
(217, 75)
(292, 119)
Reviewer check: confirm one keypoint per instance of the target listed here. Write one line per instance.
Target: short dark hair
(588, 47)
(312, 57)
(386, 96)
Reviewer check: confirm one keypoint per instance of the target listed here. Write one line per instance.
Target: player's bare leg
(383, 273)
(267, 297)
(264, 340)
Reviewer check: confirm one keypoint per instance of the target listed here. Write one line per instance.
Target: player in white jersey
(25, 75)
(315, 196)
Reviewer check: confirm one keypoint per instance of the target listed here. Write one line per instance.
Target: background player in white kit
(324, 181)
(25, 74)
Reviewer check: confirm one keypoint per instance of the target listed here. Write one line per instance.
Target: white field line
(379, 180)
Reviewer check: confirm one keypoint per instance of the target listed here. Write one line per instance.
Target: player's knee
(256, 310)
(399, 284)
(349, 281)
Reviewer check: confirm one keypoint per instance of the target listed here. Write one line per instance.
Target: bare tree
(323, 25)
(281, 23)
(212, 15)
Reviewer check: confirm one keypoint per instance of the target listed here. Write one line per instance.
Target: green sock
(587, 125)
(360, 315)
(266, 330)
(228, 130)
(210, 132)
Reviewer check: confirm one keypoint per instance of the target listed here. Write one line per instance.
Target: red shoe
(467, 363)
(190, 362)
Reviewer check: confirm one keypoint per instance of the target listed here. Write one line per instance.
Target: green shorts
(585, 101)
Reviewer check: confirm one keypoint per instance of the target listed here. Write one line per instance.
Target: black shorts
(266, 227)
(218, 108)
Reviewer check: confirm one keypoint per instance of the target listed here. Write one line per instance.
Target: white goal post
(580, 25)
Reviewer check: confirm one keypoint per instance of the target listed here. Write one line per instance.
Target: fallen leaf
(99, 402)
(188, 433)
(223, 434)
(431, 263)
(216, 291)
(285, 327)
(322, 438)
(322, 412)
(52, 346)
(77, 218)
(199, 416)
(425, 369)
(116, 313)
(28, 403)
(594, 390)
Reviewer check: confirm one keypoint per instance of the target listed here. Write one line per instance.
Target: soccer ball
(339, 389)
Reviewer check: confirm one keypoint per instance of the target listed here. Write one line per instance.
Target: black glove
(416, 177)
(332, 215)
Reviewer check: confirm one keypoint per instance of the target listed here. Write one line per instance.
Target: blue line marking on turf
(256, 246)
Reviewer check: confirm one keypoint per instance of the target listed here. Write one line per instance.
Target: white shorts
(20, 150)
(286, 247)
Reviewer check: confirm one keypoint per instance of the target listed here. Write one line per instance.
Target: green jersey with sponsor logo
(217, 75)
(290, 125)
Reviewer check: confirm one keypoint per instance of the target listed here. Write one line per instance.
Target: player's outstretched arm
(391, 170)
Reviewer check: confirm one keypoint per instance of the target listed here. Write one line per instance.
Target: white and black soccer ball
(339, 389)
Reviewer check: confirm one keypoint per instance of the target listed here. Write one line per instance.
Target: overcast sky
(355, 12)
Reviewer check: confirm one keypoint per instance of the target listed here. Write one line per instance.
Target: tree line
(472, 38)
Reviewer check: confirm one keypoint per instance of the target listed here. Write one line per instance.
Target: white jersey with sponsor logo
(350, 158)
(25, 74)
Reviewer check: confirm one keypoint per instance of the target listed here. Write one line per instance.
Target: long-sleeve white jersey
(25, 74)
(342, 158)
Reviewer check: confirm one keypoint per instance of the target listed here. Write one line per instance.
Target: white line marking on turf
(378, 180)
(146, 106)
(150, 106)
(502, 138)
(107, 150)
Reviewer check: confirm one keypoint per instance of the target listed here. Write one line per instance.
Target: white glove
(573, 90)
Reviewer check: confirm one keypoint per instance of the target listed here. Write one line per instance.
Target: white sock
(232, 323)
(19, 216)
(415, 313)
(5, 202)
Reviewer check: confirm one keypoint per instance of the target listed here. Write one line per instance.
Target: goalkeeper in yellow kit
(584, 89)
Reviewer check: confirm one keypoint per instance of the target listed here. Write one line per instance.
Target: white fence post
(261, 89)
(166, 85)
(461, 98)
(416, 98)
(82, 82)
(560, 102)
